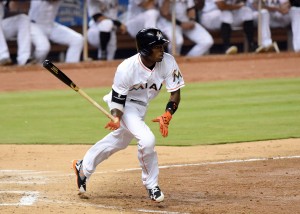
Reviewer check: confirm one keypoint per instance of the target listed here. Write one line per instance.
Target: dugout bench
(126, 44)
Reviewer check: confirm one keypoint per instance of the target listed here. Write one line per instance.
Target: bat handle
(82, 93)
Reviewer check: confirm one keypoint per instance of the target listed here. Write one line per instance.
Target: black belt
(138, 102)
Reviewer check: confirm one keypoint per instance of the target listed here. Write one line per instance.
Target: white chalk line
(28, 198)
(34, 198)
(107, 207)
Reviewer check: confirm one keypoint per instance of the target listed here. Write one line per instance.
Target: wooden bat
(65, 79)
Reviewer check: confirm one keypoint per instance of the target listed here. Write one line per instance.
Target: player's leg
(150, 18)
(105, 28)
(201, 37)
(66, 36)
(40, 42)
(135, 24)
(112, 45)
(244, 16)
(4, 52)
(295, 17)
(166, 27)
(211, 20)
(226, 22)
(19, 26)
(104, 148)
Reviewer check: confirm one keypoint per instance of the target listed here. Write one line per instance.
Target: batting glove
(111, 125)
(164, 121)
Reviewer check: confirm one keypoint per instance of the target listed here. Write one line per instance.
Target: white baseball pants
(132, 127)
(295, 18)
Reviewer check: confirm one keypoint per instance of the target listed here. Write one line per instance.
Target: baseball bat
(65, 79)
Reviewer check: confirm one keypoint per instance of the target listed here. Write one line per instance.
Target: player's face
(157, 53)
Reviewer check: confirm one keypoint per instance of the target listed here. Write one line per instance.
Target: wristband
(172, 107)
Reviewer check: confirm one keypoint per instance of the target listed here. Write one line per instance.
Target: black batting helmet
(147, 38)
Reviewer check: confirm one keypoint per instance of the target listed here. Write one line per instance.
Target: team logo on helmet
(159, 35)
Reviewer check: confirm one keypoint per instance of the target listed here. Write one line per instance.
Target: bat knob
(46, 63)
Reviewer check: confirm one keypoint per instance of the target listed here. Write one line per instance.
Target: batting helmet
(148, 38)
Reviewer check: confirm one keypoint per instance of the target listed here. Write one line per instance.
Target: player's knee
(147, 143)
(77, 40)
(106, 25)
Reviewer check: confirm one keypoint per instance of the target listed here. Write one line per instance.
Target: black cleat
(156, 194)
(81, 179)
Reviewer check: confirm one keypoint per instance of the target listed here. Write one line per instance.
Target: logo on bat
(74, 87)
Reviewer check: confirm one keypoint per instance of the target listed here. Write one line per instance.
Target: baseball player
(102, 27)
(235, 13)
(41, 44)
(16, 26)
(295, 23)
(141, 14)
(137, 80)
(43, 13)
(4, 52)
(274, 13)
(186, 24)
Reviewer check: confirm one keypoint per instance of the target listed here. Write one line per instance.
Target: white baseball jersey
(138, 82)
(44, 12)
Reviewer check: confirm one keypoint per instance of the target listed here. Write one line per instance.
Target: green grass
(209, 113)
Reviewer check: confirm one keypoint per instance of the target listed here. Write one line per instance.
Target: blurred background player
(141, 14)
(274, 14)
(236, 14)
(295, 23)
(43, 13)
(210, 16)
(186, 24)
(4, 52)
(41, 44)
(103, 26)
(16, 27)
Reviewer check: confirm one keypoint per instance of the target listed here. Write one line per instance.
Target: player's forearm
(173, 101)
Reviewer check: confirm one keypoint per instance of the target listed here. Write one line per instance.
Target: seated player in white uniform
(186, 25)
(103, 26)
(274, 14)
(137, 81)
(295, 23)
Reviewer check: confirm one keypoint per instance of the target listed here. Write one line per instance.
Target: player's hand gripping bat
(64, 78)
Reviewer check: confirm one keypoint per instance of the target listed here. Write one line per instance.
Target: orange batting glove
(164, 121)
(111, 125)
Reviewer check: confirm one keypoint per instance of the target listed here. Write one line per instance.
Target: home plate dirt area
(251, 177)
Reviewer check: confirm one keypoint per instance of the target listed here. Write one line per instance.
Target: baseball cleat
(5, 62)
(156, 194)
(81, 178)
(231, 50)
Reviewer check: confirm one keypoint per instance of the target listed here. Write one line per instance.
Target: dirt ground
(251, 177)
